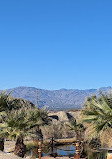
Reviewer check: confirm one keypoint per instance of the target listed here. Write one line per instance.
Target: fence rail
(52, 145)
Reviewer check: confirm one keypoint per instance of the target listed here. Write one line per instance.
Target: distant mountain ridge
(56, 99)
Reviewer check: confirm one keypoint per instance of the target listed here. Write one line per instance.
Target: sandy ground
(4, 155)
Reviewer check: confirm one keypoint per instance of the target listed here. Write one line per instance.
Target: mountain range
(62, 99)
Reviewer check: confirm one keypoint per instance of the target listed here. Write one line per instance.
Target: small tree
(78, 128)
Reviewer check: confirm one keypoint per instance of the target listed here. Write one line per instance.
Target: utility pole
(37, 104)
(52, 144)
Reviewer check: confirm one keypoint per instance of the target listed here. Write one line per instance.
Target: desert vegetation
(97, 115)
(20, 119)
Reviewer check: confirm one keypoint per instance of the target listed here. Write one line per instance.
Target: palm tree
(98, 112)
(4, 106)
(4, 102)
(7, 104)
(19, 123)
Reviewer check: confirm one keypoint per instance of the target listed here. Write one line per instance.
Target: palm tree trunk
(20, 147)
(1, 144)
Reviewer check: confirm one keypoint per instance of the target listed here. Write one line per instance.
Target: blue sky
(55, 44)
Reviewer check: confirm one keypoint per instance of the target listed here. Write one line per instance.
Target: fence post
(40, 149)
(109, 154)
(77, 150)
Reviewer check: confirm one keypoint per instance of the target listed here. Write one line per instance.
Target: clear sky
(55, 44)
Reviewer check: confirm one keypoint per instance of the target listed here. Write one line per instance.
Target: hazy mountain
(56, 99)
